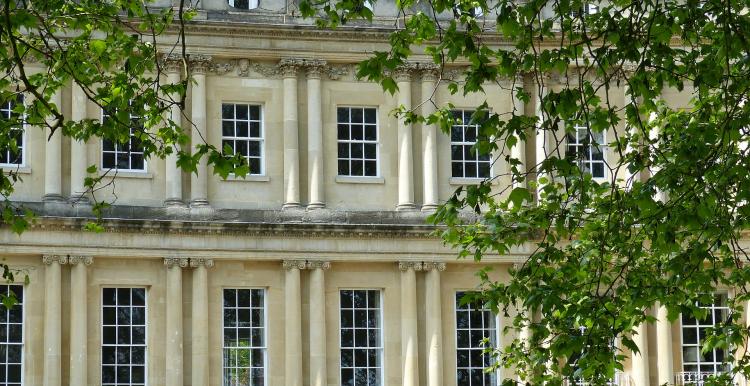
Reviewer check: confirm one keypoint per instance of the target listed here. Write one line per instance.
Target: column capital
(173, 63)
(200, 64)
(403, 73)
(293, 264)
(407, 265)
(82, 259)
(318, 264)
(195, 263)
(315, 71)
(429, 266)
(49, 259)
(288, 67)
(180, 262)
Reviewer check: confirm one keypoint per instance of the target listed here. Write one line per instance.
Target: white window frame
(363, 141)
(464, 124)
(24, 139)
(261, 139)
(251, 4)
(455, 337)
(380, 348)
(22, 344)
(698, 326)
(265, 331)
(145, 328)
(116, 151)
(588, 162)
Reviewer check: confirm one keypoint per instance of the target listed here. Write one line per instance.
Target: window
(361, 338)
(465, 161)
(126, 156)
(584, 147)
(586, 9)
(123, 336)
(474, 323)
(9, 156)
(11, 338)
(242, 131)
(244, 337)
(243, 4)
(357, 141)
(694, 332)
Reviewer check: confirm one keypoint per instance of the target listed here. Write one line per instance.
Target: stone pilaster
(200, 358)
(519, 150)
(289, 69)
(665, 364)
(174, 363)
(78, 158)
(78, 318)
(429, 142)
(53, 158)
(52, 316)
(434, 323)
(405, 154)
(318, 369)
(640, 360)
(409, 333)
(292, 322)
(173, 67)
(199, 65)
(315, 158)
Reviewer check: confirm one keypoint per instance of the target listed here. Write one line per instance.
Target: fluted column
(174, 350)
(199, 366)
(291, 133)
(315, 137)
(53, 158)
(541, 138)
(173, 67)
(78, 159)
(292, 322)
(519, 150)
(405, 156)
(52, 316)
(409, 350)
(434, 324)
(640, 360)
(78, 318)
(665, 367)
(429, 143)
(199, 65)
(318, 355)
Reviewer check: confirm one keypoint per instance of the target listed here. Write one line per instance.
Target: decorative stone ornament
(294, 264)
(440, 267)
(197, 262)
(49, 259)
(413, 265)
(85, 260)
(317, 264)
(200, 64)
(170, 262)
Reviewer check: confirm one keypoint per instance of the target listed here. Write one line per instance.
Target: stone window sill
(465, 181)
(359, 180)
(125, 174)
(16, 169)
(248, 178)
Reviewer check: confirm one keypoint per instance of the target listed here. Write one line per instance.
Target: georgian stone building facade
(317, 269)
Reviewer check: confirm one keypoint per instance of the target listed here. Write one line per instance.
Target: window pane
(124, 343)
(360, 346)
(244, 349)
(357, 136)
(474, 322)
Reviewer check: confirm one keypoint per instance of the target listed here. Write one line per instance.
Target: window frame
(116, 151)
(145, 327)
(381, 347)
(230, 3)
(363, 141)
(589, 161)
(265, 330)
(23, 334)
(261, 139)
(697, 345)
(497, 330)
(463, 161)
(24, 141)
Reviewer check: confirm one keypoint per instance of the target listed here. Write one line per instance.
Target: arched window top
(243, 4)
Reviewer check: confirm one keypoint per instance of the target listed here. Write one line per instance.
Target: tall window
(8, 155)
(243, 4)
(11, 338)
(465, 161)
(244, 337)
(357, 141)
(474, 323)
(123, 336)
(361, 338)
(126, 156)
(586, 148)
(242, 131)
(694, 332)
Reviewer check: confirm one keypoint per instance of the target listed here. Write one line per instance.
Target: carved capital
(288, 67)
(181, 262)
(208, 263)
(440, 267)
(413, 265)
(50, 259)
(85, 260)
(294, 264)
(317, 264)
(200, 64)
(315, 71)
(173, 63)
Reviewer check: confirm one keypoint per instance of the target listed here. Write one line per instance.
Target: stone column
(405, 156)
(174, 353)
(318, 370)
(315, 161)
(292, 322)
(519, 150)
(541, 138)
(78, 159)
(53, 158)
(429, 143)
(409, 350)
(173, 67)
(291, 133)
(78, 317)
(52, 316)
(199, 65)
(665, 364)
(200, 321)
(640, 361)
(434, 324)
